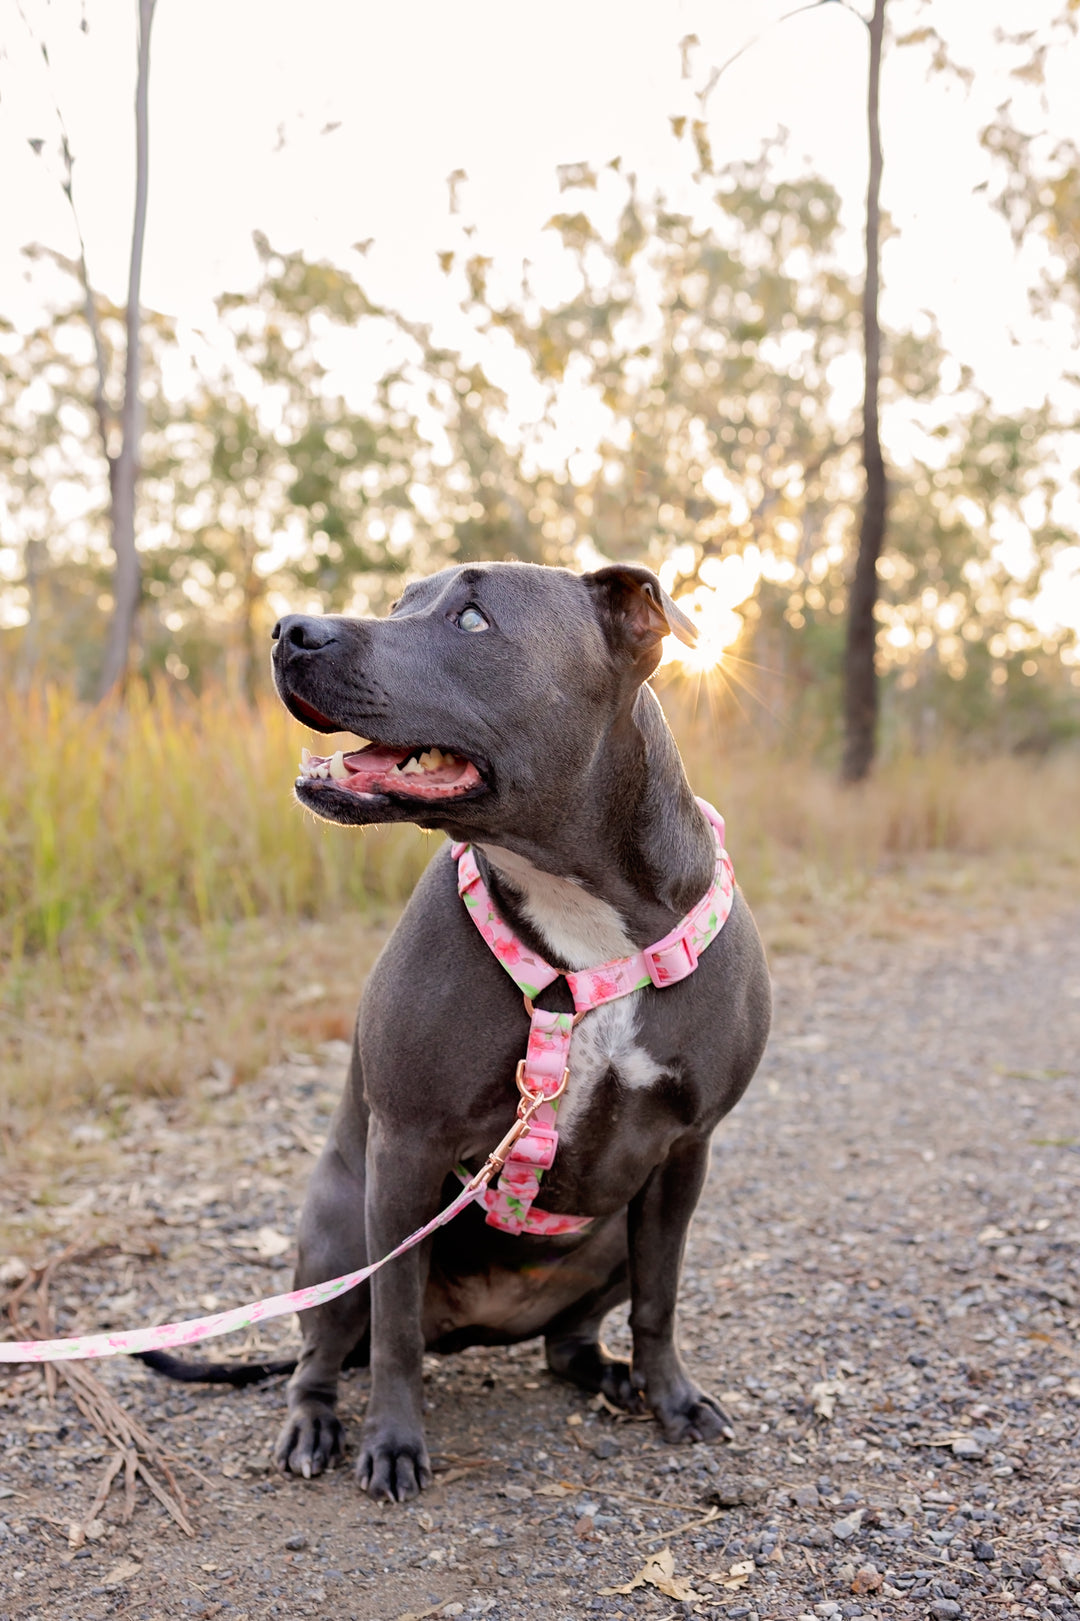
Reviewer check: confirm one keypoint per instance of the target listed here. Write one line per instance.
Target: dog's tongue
(376, 769)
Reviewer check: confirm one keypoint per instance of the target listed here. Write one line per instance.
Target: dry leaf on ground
(824, 1395)
(738, 1576)
(121, 1573)
(658, 1572)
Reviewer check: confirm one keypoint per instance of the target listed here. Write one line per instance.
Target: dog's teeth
(411, 768)
(305, 756)
(337, 767)
(322, 771)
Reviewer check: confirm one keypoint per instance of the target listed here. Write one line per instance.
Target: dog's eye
(471, 618)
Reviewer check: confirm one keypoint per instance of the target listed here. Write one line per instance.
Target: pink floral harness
(545, 1067)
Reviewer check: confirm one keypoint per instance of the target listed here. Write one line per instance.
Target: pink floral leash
(545, 1067)
(527, 1150)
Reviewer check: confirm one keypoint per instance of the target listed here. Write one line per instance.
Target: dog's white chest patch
(574, 925)
(583, 931)
(606, 1039)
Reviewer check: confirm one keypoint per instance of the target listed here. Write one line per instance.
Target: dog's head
(488, 688)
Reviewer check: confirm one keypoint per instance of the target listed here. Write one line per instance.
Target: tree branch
(811, 5)
(67, 186)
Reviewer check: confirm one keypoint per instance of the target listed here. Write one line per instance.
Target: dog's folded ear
(635, 610)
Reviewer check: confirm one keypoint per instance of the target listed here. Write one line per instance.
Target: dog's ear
(636, 612)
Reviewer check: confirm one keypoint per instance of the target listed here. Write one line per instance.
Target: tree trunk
(860, 671)
(125, 469)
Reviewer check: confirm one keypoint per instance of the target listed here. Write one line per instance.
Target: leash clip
(527, 1107)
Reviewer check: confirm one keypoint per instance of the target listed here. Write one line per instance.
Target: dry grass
(123, 823)
(167, 912)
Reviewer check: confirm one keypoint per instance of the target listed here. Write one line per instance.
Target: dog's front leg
(404, 1181)
(659, 1217)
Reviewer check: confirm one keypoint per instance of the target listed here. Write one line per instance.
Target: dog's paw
(393, 1465)
(310, 1438)
(588, 1364)
(616, 1384)
(693, 1416)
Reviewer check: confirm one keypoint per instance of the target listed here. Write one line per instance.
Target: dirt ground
(883, 1285)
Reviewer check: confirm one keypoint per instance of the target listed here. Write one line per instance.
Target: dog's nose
(303, 631)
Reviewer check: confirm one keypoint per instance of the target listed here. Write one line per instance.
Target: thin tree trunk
(860, 671)
(125, 470)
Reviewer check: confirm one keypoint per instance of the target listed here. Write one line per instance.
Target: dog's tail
(237, 1374)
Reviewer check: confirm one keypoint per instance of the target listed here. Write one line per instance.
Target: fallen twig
(77, 1532)
(677, 1530)
(136, 1450)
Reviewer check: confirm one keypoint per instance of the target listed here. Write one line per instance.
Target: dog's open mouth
(416, 773)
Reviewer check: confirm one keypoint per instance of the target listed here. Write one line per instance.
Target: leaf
(121, 1573)
(917, 36)
(269, 1243)
(658, 1572)
(734, 1578)
(575, 174)
(824, 1395)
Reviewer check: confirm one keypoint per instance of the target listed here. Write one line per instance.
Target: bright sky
(241, 93)
(340, 120)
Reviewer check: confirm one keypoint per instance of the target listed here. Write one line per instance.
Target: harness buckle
(666, 965)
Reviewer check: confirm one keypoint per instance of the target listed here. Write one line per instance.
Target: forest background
(674, 376)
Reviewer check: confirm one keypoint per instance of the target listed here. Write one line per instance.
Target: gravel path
(883, 1284)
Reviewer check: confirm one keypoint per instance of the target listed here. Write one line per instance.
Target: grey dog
(508, 706)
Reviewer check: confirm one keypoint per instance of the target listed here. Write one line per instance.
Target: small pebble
(730, 1491)
(849, 1526)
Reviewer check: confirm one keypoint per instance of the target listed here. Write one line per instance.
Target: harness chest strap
(547, 1058)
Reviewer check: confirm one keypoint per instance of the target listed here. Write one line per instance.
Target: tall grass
(127, 821)
(122, 824)
(166, 908)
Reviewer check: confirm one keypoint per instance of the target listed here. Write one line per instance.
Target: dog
(508, 705)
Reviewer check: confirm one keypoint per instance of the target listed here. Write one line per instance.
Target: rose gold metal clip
(527, 1107)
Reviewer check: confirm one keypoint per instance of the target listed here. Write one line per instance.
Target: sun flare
(726, 582)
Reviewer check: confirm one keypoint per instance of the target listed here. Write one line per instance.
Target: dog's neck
(626, 860)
